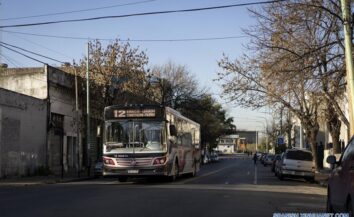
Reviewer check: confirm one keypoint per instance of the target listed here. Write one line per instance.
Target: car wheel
(280, 176)
(329, 207)
(350, 208)
(122, 179)
(310, 179)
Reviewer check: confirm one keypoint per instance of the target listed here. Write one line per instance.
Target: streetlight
(266, 130)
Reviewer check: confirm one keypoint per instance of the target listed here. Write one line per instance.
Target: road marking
(205, 175)
(247, 187)
(255, 174)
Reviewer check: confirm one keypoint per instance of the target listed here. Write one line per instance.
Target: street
(231, 187)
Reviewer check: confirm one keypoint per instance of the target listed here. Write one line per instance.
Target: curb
(45, 182)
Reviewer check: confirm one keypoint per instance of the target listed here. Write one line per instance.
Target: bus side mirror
(173, 130)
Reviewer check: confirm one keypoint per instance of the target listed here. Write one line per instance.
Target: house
(66, 150)
(23, 127)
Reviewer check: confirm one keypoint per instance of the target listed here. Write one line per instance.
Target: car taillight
(108, 161)
(159, 161)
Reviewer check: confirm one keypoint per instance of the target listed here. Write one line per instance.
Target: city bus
(149, 140)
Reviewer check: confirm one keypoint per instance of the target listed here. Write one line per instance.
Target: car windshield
(299, 155)
(134, 136)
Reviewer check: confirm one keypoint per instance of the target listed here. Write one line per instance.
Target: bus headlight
(159, 161)
(108, 161)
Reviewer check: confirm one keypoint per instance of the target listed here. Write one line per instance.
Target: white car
(297, 163)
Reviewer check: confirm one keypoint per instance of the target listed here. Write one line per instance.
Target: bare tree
(175, 86)
(296, 62)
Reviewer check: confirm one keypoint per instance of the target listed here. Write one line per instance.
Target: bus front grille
(129, 162)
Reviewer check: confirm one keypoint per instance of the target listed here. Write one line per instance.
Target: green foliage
(211, 117)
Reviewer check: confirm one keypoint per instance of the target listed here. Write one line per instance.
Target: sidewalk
(322, 176)
(41, 180)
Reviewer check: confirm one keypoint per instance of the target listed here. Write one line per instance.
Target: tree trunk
(311, 135)
(333, 125)
(313, 140)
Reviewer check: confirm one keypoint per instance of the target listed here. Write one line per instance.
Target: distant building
(250, 137)
(228, 144)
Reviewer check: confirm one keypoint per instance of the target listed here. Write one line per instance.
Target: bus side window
(180, 139)
(187, 139)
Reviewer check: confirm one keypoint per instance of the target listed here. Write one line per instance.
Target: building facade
(23, 127)
(66, 150)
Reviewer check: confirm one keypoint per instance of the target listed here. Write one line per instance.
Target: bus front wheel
(122, 178)
(174, 172)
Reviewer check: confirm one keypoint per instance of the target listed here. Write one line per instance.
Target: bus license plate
(133, 171)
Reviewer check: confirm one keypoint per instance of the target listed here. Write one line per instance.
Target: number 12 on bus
(149, 140)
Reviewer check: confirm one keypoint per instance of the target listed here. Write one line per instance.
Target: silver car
(297, 163)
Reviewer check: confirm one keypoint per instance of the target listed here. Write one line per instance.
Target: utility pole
(256, 141)
(301, 136)
(348, 60)
(88, 111)
(77, 124)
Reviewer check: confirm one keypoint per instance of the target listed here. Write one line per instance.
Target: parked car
(206, 158)
(98, 170)
(268, 159)
(276, 158)
(264, 155)
(340, 190)
(214, 157)
(297, 163)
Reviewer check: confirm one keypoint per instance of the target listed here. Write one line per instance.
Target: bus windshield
(134, 136)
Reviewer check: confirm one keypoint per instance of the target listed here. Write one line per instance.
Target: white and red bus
(149, 140)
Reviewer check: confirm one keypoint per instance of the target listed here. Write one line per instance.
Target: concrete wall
(28, 81)
(22, 134)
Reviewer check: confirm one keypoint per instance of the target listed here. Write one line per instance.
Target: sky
(200, 57)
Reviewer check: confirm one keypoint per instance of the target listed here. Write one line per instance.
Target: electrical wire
(40, 45)
(31, 52)
(78, 11)
(140, 14)
(10, 60)
(13, 50)
(131, 40)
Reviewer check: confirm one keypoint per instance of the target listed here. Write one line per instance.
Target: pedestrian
(255, 158)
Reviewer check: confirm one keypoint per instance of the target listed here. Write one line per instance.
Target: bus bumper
(135, 171)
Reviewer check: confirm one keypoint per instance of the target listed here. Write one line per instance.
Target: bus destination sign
(134, 113)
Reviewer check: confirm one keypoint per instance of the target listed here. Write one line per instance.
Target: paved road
(232, 187)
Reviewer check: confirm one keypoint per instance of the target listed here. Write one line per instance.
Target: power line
(31, 52)
(10, 60)
(132, 40)
(22, 54)
(141, 14)
(42, 46)
(77, 11)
